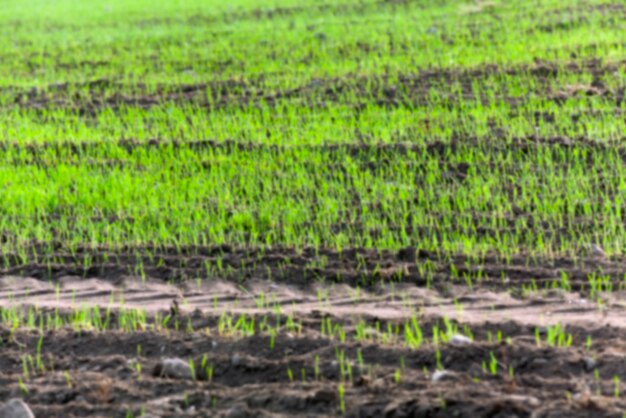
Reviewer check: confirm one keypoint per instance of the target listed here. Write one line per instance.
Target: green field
(177, 174)
(338, 124)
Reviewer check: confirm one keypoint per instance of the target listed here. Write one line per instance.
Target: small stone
(16, 408)
(173, 367)
(442, 375)
(236, 360)
(590, 364)
(597, 251)
(460, 340)
(238, 410)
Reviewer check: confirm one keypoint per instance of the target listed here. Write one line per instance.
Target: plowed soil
(510, 368)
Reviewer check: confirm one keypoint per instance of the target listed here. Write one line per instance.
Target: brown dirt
(251, 379)
(89, 374)
(366, 268)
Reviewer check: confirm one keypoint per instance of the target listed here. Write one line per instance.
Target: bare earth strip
(397, 302)
(95, 373)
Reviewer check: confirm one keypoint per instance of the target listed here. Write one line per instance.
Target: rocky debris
(15, 408)
(236, 360)
(442, 376)
(597, 251)
(173, 367)
(590, 364)
(592, 250)
(460, 340)
(239, 410)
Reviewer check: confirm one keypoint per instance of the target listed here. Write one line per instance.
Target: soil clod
(174, 368)
(16, 408)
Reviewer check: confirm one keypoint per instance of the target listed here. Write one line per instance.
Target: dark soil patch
(365, 268)
(410, 89)
(369, 147)
(86, 373)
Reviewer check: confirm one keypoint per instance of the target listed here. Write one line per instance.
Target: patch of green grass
(450, 126)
